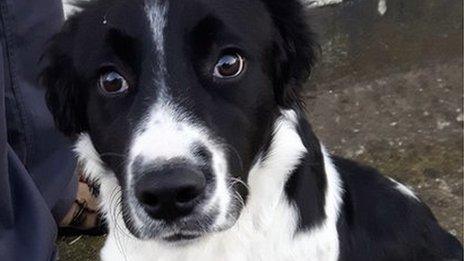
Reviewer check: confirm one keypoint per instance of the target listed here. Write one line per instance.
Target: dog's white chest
(241, 243)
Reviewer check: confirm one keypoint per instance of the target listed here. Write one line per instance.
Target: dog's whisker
(115, 219)
(239, 199)
(234, 181)
(116, 202)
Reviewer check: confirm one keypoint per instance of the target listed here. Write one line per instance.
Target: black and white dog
(189, 117)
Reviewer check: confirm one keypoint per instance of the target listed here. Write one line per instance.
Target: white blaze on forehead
(156, 11)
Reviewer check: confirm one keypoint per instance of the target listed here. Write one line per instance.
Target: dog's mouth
(194, 226)
(183, 231)
(181, 237)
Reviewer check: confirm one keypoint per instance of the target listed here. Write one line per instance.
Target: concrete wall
(370, 38)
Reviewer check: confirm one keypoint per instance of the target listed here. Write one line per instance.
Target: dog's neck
(290, 171)
(294, 195)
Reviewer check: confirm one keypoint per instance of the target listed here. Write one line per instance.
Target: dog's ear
(294, 50)
(65, 94)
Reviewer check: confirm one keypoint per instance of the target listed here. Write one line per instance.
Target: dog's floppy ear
(65, 94)
(294, 49)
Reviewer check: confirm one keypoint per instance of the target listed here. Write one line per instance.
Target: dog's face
(179, 98)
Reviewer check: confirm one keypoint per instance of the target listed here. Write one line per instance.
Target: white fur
(266, 227)
(157, 17)
(89, 157)
(404, 190)
(68, 8)
(156, 12)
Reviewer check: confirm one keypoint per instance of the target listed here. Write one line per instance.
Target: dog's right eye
(112, 83)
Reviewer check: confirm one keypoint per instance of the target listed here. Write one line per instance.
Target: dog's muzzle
(177, 180)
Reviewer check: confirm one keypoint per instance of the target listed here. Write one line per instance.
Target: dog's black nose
(171, 191)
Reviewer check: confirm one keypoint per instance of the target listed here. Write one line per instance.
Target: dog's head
(179, 98)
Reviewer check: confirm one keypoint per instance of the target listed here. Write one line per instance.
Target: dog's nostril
(149, 199)
(187, 195)
(202, 153)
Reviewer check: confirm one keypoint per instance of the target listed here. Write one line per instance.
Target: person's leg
(36, 162)
(28, 229)
(46, 153)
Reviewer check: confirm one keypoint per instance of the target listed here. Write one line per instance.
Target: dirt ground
(409, 125)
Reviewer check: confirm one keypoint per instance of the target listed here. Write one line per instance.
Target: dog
(188, 115)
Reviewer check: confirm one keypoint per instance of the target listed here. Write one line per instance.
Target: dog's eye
(113, 83)
(229, 66)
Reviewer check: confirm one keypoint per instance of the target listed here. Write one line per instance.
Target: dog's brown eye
(113, 83)
(229, 66)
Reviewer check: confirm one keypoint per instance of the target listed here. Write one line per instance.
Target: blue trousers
(37, 185)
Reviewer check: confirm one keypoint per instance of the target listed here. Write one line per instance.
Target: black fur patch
(307, 185)
(378, 222)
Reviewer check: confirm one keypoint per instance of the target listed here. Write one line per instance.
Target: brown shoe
(83, 218)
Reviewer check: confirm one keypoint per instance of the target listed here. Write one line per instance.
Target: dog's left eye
(113, 83)
(229, 66)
